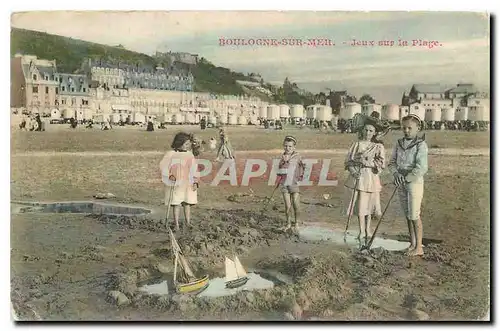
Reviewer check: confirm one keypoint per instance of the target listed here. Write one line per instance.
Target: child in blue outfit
(408, 164)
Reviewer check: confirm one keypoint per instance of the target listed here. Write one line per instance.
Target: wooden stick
(380, 220)
(351, 210)
(169, 201)
(175, 267)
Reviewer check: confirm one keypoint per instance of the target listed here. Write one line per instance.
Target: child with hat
(364, 161)
(290, 172)
(408, 165)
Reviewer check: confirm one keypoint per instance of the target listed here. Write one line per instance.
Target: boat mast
(188, 273)
(175, 267)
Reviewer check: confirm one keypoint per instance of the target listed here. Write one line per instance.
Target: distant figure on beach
(225, 150)
(72, 122)
(22, 125)
(213, 144)
(203, 123)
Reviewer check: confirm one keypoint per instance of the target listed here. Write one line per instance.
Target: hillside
(69, 54)
(255, 93)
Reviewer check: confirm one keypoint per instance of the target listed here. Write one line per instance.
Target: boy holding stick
(409, 165)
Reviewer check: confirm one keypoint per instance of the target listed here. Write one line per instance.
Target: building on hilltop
(123, 75)
(172, 58)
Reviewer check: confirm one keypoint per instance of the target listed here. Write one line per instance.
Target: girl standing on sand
(225, 151)
(365, 160)
(178, 168)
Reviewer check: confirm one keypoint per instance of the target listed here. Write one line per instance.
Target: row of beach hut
(391, 112)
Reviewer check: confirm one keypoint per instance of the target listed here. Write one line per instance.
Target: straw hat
(359, 122)
(375, 122)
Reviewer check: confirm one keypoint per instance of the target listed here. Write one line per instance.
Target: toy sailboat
(236, 275)
(189, 282)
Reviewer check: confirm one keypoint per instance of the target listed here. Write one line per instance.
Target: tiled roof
(78, 82)
(46, 71)
(464, 88)
(429, 88)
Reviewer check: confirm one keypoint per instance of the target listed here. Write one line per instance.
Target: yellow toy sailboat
(236, 275)
(189, 282)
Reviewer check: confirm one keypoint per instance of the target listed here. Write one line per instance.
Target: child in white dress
(178, 168)
(365, 160)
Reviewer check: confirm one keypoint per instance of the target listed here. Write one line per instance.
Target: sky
(463, 54)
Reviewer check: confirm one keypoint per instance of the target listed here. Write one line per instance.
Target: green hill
(70, 53)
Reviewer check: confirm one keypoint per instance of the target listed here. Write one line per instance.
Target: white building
(436, 98)
(369, 108)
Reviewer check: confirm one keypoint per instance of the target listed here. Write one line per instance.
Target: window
(46, 90)
(72, 89)
(85, 102)
(35, 77)
(63, 88)
(73, 101)
(57, 90)
(35, 89)
(84, 90)
(63, 101)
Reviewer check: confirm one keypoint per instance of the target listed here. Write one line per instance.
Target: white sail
(175, 245)
(185, 266)
(240, 271)
(231, 273)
